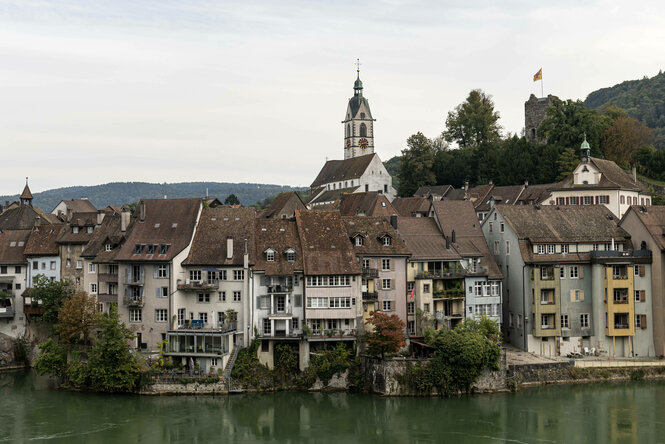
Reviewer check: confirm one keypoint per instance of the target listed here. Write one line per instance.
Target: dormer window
(89, 229)
(270, 256)
(75, 230)
(163, 249)
(290, 255)
(108, 247)
(138, 248)
(387, 241)
(151, 249)
(359, 241)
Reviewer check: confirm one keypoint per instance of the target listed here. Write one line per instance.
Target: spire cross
(358, 66)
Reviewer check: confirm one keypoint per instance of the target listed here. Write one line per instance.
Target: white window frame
(237, 296)
(92, 268)
(385, 264)
(93, 288)
(387, 306)
(564, 321)
(135, 315)
(574, 272)
(385, 284)
(161, 315)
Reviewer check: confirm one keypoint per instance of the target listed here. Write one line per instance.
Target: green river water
(32, 411)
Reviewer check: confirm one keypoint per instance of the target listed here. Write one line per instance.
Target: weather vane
(358, 65)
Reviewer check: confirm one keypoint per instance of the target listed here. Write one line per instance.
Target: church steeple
(26, 195)
(585, 150)
(358, 124)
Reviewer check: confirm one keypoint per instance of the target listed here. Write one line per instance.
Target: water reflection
(615, 413)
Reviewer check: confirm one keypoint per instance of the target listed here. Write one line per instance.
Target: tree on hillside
(52, 294)
(473, 122)
(76, 318)
(568, 120)
(415, 169)
(623, 137)
(231, 199)
(567, 162)
(386, 336)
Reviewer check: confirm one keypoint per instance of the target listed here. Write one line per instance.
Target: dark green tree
(567, 162)
(473, 122)
(415, 169)
(52, 294)
(231, 199)
(52, 359)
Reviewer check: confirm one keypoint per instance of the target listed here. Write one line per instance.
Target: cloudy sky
(254, 91)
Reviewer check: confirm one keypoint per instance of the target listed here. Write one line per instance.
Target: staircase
(229, 368)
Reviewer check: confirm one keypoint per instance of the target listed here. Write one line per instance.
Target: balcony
(108, 277)
(6, 307)
(134, 279)
(200, 325)
(133, 301)
(279, 289)
(370, 295)
(448, 294)
(547, 327)
(442, 274)
(370, 273)
(211, 284)
(105, 297)
(286, 313)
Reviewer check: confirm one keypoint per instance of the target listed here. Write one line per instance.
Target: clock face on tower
(348, 143)
(363, 143)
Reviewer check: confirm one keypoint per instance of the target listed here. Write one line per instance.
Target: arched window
(623, 200)
(363, 130)
(348, 130)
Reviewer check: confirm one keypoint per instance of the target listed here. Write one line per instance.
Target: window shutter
(263, 280)
(127, 273)
(141, 292)
(572, 295)
(392, 266)
(581, 271)
(641, 270)
(567, 200)
(643, 296)
(154, 271)
(297, 300)
(392, 284)
(141, 272)
(159, 289)
(643, 321)
(258, 302)
(168, 274)
(597, 200)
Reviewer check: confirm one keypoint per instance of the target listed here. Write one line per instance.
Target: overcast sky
(254, 91)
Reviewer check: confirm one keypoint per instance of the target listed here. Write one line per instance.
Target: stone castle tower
(358, 124)
(534, 114)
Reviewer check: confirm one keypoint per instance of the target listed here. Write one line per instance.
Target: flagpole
(542, 94)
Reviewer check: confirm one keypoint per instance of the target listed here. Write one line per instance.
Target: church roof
(23, 218)
(331, 195)
(612, 177)
(354, 104)
(26, 194)
(338, 170)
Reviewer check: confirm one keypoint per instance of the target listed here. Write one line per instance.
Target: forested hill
(642, 99)
(119, 193)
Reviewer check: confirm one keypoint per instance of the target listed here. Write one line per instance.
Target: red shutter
(597, 200)
(643, 321)
(643, 296)
(567, 201)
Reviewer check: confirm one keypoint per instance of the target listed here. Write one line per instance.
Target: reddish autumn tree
(386, 334)
(77, 317)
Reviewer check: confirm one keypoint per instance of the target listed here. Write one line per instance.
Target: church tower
(358, 124)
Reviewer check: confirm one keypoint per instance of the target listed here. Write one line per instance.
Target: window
(385, 284)
(510, 320)
(162, 292)
(181, 316)
(603, 200)
(544, 275)
(425, 288)
(270, 256)
(410, 286)
(496, 247)
(574, 272)
(108, 247)
(315, 302)
(519, 320)
(564, 321)
(79, 264)
(89, 230)
(43, 267)
(385, 264)
(545, 321)
(203, 316)
(551, 249)
(339, 302)
(426, 308)
(75, 230)
(560, 201)
(387, 305)
(328, 281)
(238, 275)
(17, 270)
(52, 265)
(564, 248)
(587, 200)
(35, 265)
(623, 199)
(161, 315)
(163, 271)
(92, 268)
(411, 326)
(291, 256)
(221, 297)
(584, 320)
(138, 248)
(204, 297)
(151, 249)
(68, 263)
(491, 227)
(410, 308)
(135, 315)
(363, 130)
(541, 249)
(387, 241)
(93, 288)
(502, 227)
(507, 247)
(366, 263)
(163, 248)
(236, 296)
(562, 272)
(267, 326)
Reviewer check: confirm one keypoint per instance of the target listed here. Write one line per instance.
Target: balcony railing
(105, 297)
(546, 302)
(370, 272)
(621, 326)
(442, 274)
(448, 294)
(108, 277)
(133, 301)
(619, 276)
(134, 280)
(370, 295)
(212, 284)
(334, 333)
(620, 301)
(198, 324)
(287, 312)
(273, 289)
(547, 327)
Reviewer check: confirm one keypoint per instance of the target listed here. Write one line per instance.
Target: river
(32, 411)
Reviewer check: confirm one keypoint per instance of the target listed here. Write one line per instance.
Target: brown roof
(331, 195)
(78, 205)
(167, 222)
(612, 177)
(424, 240)
(365, 204)
(339, 170)
(502, 195)
(459, 216)
(108, 232)
(216, 225)
(373, 230)
(534, 194)
(280, 201)
(438, 190)
(654, 221)
(26, 194)
(80, 221)
(410, 206)
(326, 248)
(12, 246)
(279, 235)
(23, 217)
(542, 224)
(41, 241)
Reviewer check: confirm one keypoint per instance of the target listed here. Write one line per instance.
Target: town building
(65, 208)
(371, 203)
(284, 206)
(71, 240)
(573, 283)
(412, 206)
(13, 283)
(43, 254)
(23, 215)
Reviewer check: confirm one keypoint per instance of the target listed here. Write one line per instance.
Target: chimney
(447, 243)
(229, 247)
(452, 237)
(69, 214)
(100, 217)
(393, 220)
(38, 221)
(142, 211)
(124, 220)
(634, 170)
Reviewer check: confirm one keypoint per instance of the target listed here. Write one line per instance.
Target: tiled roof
(534, 194)
(543, 224)
(612, 177)
(80, 222)
(23, 217)
(424, 240)
(26, 194)
(106, 233)
(78, 205)
(502, 195)
(41, 241)
(280, 236)
(368, 204)
(326, 248)
(12, 246)
(654, 221)
(280, 201)
(373, 229)
(331, 195)
(167, 222)
(340, 170)
(408, 206)
(438, 190)
(215, 226)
